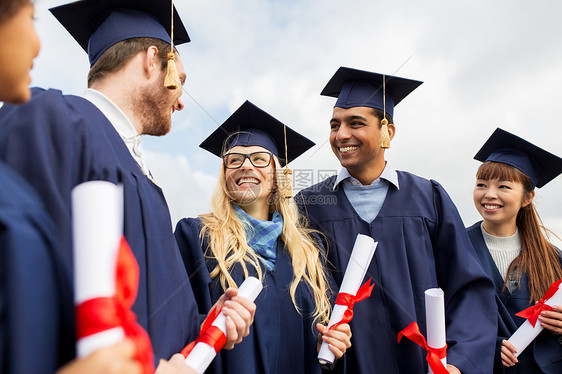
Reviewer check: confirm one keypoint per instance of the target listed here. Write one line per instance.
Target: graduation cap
(355, 88)
(257, 127)
(359, 88)
(254, 127)
(99, 24)
(536, 163)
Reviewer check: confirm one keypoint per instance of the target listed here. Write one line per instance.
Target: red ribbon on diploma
(210, 335)
(350, 300)
(532, 313)
(104, 313)
(434, 355)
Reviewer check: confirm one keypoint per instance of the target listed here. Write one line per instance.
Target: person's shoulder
(321, 187)
(188, 224)
(409, 177)
(474, 227)
(54, 98)
(50, 107)
(414, 184)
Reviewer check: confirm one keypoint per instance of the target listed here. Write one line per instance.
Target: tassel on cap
(384, 141)
(286, 187)
(385, 137)
(172, 77)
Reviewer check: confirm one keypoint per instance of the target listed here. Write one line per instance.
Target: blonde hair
(227, 244)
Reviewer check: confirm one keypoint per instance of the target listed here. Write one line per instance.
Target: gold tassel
(172, 77)
(385, 137)
(286, 188)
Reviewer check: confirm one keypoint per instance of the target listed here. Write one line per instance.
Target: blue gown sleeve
(470, 308)
(36, 304)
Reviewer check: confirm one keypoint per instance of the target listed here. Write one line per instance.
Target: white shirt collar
(388, 174)
(122, 125)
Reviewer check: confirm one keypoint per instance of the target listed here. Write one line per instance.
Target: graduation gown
(422, 244)
(35, 294)
(58, 141)
(281, 340)
(544, 355)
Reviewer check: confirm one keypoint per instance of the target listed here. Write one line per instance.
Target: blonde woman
(254, 229)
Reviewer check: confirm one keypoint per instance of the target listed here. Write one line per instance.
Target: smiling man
(422, 240)
(59, 141)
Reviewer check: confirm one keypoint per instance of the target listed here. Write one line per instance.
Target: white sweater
(503, 249)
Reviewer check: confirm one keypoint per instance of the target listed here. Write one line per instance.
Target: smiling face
(354, 137)
(19, 46)
(499, 195)
(250, 185)
(498, 201)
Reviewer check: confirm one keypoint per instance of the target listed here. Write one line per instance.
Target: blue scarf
(262, 235)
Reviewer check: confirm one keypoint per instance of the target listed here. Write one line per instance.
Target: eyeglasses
(236, 160)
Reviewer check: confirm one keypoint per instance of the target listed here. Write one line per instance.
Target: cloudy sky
(485, 64)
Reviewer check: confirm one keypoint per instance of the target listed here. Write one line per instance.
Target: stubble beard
(154, 110)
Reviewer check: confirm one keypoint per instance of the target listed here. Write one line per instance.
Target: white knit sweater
(503, 249)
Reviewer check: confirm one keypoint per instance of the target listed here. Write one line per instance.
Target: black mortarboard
(355, 88)
(98, 24)
(536, 163)
(257, 127)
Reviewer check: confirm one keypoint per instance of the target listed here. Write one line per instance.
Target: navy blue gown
(58, 141)
(544, 355)
(281, 340)
(422, 244)
(35, 295)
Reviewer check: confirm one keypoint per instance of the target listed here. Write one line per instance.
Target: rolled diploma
(526, 333)
(435, 320)
(97, 219)
(359, 261)
(202, 354)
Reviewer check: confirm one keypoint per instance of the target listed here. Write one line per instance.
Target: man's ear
(151, 62)
(391, 130)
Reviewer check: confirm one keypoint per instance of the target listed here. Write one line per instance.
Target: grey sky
(485, 64)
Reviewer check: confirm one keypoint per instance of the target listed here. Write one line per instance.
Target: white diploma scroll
(359, 261)
(202, 354)
(435, 320)
(526, 333)
(97, 221)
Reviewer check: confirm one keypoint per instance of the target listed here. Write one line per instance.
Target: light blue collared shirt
(367, 200)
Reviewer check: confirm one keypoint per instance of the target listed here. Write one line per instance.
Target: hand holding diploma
(350, 292)
(239, 312)
(529, 330)
(337, 338)
(214, 333)
(436, 344)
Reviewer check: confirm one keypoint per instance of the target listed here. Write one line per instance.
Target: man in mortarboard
(422, 240)
(58, 141)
